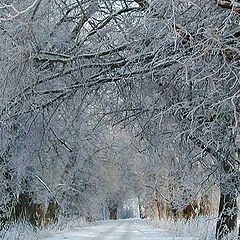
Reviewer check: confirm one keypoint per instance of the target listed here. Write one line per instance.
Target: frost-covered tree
(171, 67)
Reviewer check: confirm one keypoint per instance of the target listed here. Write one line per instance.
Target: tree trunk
(227, 220)
(113, 212)
(205, 206)
(141, 215)
(27, 210)
(239, 232)
(228, 209)
(160, 209)
(52, 212)
(5, 214)
(191, 210)
(170, 211)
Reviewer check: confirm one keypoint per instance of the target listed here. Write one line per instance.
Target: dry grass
(202, 228)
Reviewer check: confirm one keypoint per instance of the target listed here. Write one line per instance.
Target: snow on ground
(134, 229)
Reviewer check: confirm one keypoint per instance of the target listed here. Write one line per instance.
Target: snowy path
(118, 230)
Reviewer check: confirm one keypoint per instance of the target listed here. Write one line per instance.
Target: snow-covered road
(134, 229)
